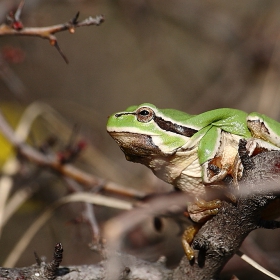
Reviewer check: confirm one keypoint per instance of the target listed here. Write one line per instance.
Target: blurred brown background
(185, 54)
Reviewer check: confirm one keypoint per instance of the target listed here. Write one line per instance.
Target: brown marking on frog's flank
(173, 127)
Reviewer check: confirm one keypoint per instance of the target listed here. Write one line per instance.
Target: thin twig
(13, 26)
(88, 217)
(49, 31)
(28, 235)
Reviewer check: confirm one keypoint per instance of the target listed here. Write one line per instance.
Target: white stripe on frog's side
(129, 129)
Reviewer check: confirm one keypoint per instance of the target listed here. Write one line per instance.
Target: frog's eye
(145, 114)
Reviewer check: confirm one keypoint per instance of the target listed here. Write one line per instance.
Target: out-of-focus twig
(86, 197)
(88, 216)
(14, 26)
(68, 170)
(116, 228)
(10, 78)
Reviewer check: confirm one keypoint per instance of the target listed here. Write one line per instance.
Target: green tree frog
(195, 153)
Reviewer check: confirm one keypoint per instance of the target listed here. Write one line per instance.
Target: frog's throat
(136, 146)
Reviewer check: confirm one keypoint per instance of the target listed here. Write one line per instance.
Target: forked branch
(14, 26)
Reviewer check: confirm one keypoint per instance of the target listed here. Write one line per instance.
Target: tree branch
(219, 238)
(216, 242)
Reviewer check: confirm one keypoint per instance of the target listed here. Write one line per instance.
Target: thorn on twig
(18, 11)
(57, 259)
(75, 19)
(58, 254)
(37, 258)
(54, 43)
(73, 22)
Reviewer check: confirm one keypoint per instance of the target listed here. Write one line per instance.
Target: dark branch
(220, 238)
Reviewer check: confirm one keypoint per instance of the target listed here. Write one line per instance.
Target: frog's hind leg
(264, 128)
(199, 211)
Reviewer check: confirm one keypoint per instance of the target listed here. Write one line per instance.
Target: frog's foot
(230, 180)
(220, 175)
(187, 239)
(215, 174)
(201, 210)
(243, 160)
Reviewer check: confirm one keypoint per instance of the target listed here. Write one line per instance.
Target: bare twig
(12, 81)
(89, 218)
(28, 235)
(13, 26)
(48, 31)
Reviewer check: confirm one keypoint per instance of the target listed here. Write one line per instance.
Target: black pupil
(144, 113)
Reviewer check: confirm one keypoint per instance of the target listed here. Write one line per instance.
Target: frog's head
(145, 131)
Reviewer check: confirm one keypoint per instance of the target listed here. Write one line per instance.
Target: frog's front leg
(252, 147)
(187, 239)
(200, 210)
